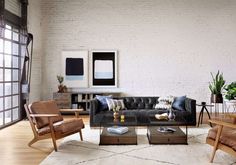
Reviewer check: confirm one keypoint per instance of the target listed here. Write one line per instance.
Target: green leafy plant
(230, 91)
(217, 84)
(60, 79)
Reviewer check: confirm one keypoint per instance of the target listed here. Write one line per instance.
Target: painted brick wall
(165, 46)
(34, 27)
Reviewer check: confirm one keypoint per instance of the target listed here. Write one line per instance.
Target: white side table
(230, 104)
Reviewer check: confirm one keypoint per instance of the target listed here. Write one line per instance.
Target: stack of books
(118, 130)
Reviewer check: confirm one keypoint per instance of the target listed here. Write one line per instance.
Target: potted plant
(216, 87)
(230, 91)
(61, 88)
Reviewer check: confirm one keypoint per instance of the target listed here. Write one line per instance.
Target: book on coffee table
(118, 130)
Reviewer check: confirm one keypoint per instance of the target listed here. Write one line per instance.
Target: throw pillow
(112, 103)
(102, 101)
(179, 103)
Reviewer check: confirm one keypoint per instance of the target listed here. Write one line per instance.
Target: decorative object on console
(75, 68)
(113, 103)
(104, 68)
(216, 87)
(61, 88)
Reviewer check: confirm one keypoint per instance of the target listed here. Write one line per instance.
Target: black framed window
(11, 45)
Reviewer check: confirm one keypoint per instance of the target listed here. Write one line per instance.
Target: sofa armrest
(190, 106)
(93, 109)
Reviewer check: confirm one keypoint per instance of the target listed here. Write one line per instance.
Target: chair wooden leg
(216, 142)
(81, 136)
(54, 143)
(32, 142)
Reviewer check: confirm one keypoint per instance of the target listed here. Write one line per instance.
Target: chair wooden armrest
(44, 115)
(222, 123)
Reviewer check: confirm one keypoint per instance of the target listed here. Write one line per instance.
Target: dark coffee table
(107, 138)
(156, 137)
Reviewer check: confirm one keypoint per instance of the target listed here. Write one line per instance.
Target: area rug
(72, 151)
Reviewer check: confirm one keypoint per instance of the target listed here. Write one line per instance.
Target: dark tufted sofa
(142, 107)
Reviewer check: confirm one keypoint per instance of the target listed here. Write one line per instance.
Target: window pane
(15, 88)
(7, 102)
(7, 88)
(7, 117)
(1, 89)
(15, 113)
(1, 45)
(1, 104)
(1, 60)
(15, 101)
(15, 75)
(7, 26)
(1, 118)
(15, 62)
(7, 47)
(1, 74)
(7, 74)
(15, 36)
(7, 60)
(7, 34)
(15, 49)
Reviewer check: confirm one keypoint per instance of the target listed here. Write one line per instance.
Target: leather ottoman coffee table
(128, 138)
(156, 136)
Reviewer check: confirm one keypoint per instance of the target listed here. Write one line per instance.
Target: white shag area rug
(72, 151)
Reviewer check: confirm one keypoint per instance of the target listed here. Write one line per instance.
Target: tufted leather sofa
(142, 107)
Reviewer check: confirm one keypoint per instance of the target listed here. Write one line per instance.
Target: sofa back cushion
(140, 102)
(45, 107)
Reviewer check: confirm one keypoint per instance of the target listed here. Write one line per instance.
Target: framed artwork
(104, 68)
(75, 68)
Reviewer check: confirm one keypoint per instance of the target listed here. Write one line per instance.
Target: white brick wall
(165, 46)
(34, 27)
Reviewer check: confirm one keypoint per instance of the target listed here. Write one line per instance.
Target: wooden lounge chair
(47, 122)
(223, 136)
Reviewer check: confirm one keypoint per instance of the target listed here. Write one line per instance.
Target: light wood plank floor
(14, 148)
(14, 139)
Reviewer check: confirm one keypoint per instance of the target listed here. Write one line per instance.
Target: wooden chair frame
(54, 135)
(215, 143)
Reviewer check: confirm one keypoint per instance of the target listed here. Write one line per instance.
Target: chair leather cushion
(45, 107)
(64, 126)
(228, 136)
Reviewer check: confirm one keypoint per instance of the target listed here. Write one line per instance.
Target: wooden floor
(15, 151)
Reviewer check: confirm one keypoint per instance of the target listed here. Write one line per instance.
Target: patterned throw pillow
(112, 103)
(102, 101)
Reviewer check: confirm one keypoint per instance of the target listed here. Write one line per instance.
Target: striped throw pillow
(112, 103)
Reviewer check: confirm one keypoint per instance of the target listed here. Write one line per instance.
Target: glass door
(10, 70)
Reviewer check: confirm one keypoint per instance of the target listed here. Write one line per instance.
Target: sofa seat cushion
(63, 126)
(228, 136)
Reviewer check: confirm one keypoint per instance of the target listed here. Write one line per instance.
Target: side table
(204, 107)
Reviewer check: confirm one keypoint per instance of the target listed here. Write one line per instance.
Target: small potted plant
(216, 87)
(231, 91)
(61, 88)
